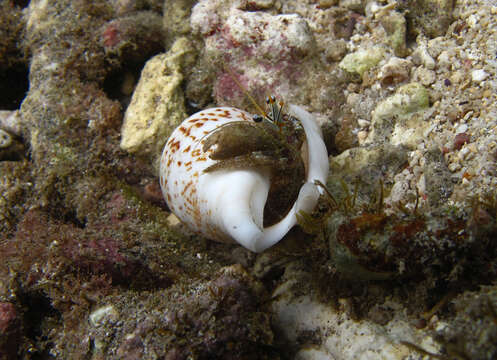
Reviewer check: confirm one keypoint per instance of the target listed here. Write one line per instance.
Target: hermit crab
(236, 177)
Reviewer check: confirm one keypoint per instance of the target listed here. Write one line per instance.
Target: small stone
(354, 5)
(157, 105)
(424, 76)
(460, 140)
(434, 46)
(478, 75)
(419, 323)
(428, 130)
(336, 50)
(5, 139)
(10, 121)
(363, 123)
(172, 220)
(399, 191)
(487, 94)
(346, 137)
(394, 24)
(462, 129)
(353, 99)
(472, 20)
(362, 136)
(429, 17)
(325, 4)
(444, 59)
(463, 153)
(394, 118)
(395, 71)
(453, 167)
(204, 18)
(104, 314)
(407, 99)
(362, 60)
(421, 57)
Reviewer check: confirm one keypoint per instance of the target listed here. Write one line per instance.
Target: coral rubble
(397, 261)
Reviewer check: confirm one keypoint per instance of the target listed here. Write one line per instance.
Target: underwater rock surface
(399, 259)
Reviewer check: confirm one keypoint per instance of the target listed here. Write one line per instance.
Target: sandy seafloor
(401, 265)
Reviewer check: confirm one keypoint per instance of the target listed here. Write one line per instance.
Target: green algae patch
(407, 99)
(361, 61)
(394, 24)
(400, 117)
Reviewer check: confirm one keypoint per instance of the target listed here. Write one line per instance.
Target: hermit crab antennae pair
(276, 112)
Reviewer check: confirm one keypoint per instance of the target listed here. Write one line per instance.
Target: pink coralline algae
(8, 316)
(133, 37)
(460, 140)
(264, 48)
(111, 35)
(10, 326)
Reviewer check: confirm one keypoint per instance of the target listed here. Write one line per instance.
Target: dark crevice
(273, 277)
(68, 216)
(16, 151)
(14, 84)
(120, 84)
(39, 315)
(71, 217)
(192, 108)
(21, 3)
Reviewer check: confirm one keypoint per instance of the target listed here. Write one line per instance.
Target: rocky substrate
(398, 261)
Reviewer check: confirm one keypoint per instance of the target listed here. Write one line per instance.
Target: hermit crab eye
(257, 118)
(270, 100)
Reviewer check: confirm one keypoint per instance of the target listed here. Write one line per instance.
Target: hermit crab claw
(228, 203)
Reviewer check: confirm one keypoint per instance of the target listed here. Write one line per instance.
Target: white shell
(228, 205)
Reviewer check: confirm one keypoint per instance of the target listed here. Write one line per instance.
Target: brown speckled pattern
(183, 162)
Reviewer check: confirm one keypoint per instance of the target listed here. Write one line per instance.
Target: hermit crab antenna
(276, 109)
(245, 92)
(280, 111)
